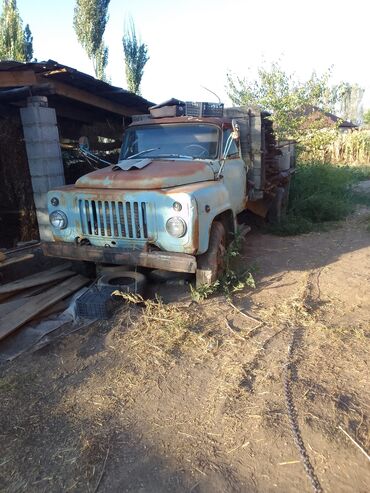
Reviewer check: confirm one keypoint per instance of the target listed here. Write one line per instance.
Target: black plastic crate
(97, 302)
(204, 109)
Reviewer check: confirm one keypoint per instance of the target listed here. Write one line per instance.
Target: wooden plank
(13, 305)
(10, 306)
(36, 289)
(58, 307)
(26, 293)
(28, 246)
(17, 78)
(37, 304)
(88, 98)
(35, 280)
(15, 260)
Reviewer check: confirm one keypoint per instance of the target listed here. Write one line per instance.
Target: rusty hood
(156, 174)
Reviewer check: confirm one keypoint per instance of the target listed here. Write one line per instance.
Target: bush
(320, 193)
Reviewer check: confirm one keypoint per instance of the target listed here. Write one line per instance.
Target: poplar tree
(89, 22)
(15, 44)
(136, 57)
(28, 43)
(101, 61)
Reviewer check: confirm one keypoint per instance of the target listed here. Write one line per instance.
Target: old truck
(185, 174)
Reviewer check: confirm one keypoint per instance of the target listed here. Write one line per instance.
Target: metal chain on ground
(290, 371)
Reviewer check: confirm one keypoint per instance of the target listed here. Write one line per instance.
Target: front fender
(212, 201)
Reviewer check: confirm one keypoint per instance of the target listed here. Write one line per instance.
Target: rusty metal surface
(178, 262)
(158, 174)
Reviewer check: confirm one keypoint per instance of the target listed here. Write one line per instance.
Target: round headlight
(177, 206)
(176, 226)
(58, 220)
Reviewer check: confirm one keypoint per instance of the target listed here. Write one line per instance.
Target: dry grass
(202, 383)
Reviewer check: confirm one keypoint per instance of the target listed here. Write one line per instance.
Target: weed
(230, 281)
(321, 194)
(203, 292)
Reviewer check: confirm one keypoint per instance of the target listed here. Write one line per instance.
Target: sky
(194, 43)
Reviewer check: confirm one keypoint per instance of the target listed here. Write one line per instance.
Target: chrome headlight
(176, 226)
(58, 220)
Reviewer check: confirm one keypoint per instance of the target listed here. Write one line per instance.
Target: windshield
(186, 141)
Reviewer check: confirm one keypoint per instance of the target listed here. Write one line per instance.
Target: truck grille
(114, 219)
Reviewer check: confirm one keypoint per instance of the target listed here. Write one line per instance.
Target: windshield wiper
(143, 152)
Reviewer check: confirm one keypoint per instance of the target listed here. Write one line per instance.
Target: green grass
(320, 195)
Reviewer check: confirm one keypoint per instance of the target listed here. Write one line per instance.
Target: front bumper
(178, 262)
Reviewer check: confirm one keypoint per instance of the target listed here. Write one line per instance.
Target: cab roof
(220, 122)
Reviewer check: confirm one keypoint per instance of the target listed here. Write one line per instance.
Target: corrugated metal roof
(54, 70)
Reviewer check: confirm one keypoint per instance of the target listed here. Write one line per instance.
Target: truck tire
(210, 265)
(126, 281)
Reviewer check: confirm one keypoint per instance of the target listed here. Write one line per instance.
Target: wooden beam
(54, 274)
(88, 98)
(21, 93)
(14, 260)
(17, 78)
(178, 262)
(36, 304)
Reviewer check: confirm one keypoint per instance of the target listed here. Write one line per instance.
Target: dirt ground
(184, 397)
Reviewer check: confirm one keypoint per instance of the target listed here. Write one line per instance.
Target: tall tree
(136, 57)
(15, 44)
(101, 61)
(90, 19)
(28, 43)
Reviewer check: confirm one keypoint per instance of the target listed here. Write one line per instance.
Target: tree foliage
(28, 43)
(367, 117)
(15, 44)
(297, 108)
(89, 22)
(136, 57)
(101, 61)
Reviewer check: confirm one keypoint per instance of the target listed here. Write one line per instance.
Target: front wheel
(211, 265)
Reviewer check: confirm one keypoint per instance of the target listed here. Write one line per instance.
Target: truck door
(234, 175)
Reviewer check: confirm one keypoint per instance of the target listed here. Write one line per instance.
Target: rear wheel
(211, 265)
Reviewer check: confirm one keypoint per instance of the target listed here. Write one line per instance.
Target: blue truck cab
(172, 200)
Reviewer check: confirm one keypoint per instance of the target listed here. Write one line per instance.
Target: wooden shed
(45, 107)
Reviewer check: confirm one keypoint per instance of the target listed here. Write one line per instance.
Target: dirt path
(190, 398)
